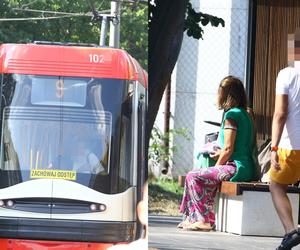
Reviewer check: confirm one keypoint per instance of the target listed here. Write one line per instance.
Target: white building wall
(200, 68)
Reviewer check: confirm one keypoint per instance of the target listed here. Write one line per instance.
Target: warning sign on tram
(53, 174)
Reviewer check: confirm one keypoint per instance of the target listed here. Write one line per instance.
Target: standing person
(234, 160)
(285, 150)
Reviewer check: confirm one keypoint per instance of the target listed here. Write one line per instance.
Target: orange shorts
(289, 161)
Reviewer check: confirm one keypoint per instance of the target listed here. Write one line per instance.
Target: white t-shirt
(87, 162)
(288, 83)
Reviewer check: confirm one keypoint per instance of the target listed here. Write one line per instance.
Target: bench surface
(237, 188)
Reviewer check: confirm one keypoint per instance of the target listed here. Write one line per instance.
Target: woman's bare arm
(230, 127)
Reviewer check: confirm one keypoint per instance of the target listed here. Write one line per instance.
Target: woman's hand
(275, 161)
(215, 155)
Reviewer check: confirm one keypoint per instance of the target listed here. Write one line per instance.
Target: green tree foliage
(134, 32)
(72, 29)
(159, 149)
(168, 20)
(194, 20)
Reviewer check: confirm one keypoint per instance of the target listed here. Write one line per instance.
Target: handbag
(257, 167)
(264, 160)
(204, 161)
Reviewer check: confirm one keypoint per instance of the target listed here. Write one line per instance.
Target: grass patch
(164, 197)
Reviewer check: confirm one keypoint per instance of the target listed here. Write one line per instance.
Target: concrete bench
(246, 208)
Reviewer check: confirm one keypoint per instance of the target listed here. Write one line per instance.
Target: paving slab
(164, 235)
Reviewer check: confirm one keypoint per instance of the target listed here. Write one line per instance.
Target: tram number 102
(95, 58)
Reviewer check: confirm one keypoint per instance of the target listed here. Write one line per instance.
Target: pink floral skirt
(200, 189)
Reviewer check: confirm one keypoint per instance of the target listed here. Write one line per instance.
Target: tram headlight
(102, 207)
(9, 203)
(93, 207)
(2, 204)
(97, 207)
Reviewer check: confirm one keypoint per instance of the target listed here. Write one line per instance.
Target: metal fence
(200, 68)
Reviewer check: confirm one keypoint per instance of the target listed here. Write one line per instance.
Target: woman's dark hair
(232, 94)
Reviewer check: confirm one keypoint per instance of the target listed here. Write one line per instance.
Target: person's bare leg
(282, 205)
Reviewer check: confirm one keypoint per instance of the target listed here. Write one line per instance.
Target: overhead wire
(30, 3)
(61, 15)
(36, 18)
(58, 12)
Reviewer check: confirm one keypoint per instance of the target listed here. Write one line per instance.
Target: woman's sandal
(184, 224)
(199, 226)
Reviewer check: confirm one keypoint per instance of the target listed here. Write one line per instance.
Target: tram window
(126, 141)
(59, 91)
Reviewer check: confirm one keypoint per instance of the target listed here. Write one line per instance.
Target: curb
(164, 219)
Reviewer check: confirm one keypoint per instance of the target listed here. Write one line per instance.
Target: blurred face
(293, 48)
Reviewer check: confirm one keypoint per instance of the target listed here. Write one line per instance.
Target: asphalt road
(164, 235)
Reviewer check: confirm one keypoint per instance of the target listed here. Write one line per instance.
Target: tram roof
(63, 60)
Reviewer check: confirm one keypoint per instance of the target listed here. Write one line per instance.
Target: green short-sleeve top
(243, 146)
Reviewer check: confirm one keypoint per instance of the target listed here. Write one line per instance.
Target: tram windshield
(65, 128)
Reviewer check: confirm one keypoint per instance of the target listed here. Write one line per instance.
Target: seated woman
(234, 160)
